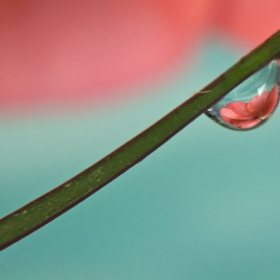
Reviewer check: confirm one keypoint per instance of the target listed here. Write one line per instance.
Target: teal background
(203, 206)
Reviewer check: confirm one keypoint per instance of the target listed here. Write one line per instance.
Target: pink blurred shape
(247, 115)
(64, 51)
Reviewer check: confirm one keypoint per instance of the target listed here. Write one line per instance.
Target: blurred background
(80, 78)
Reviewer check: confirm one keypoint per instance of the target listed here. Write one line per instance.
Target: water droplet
(251, 103)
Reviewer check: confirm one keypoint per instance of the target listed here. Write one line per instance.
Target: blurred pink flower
(246, 115)
(60, 53)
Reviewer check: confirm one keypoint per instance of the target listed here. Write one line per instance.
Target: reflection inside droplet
(250, 104)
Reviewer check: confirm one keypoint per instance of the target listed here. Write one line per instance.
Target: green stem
(44, 209)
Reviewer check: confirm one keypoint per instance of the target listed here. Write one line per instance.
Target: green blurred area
(203, 206)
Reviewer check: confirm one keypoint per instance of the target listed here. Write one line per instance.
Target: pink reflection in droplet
(247, 115)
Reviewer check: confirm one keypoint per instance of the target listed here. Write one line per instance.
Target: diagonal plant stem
(44, 209)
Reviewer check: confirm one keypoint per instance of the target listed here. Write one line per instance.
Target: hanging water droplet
(251, 103)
